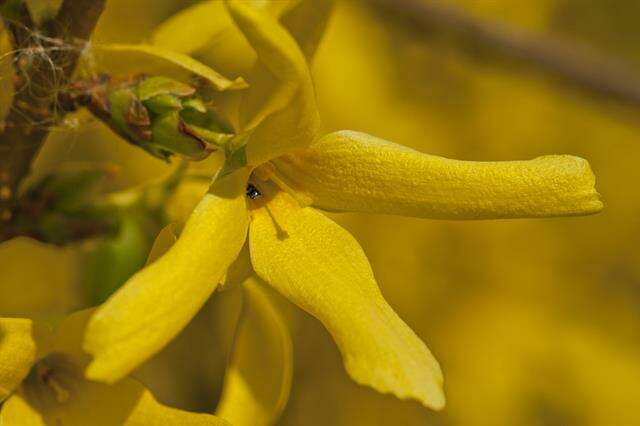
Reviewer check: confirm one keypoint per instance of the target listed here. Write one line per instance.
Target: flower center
(52, 380)
(253, 192)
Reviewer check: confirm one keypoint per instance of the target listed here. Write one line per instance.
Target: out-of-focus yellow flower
(285, 173)
(258, 378)
(42, 382)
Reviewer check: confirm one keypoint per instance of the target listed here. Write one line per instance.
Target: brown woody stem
(580, 66)
(45, 60)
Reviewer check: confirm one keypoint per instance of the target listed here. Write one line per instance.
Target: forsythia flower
(286, 172)
(42, 382)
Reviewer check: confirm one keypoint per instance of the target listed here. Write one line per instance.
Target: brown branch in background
(75, 22)
(578, 65)
(21, 22)
(44, 60)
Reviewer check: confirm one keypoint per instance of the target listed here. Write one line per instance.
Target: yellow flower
(42, 382)
(291, 173)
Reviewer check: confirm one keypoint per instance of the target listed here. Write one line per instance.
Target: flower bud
(64, 207)
(161, 115)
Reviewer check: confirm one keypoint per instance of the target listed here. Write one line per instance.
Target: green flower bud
(163, 116)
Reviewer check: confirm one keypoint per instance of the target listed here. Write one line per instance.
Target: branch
(44, 63)
(19, 20)
(578, 65)
(75, 22)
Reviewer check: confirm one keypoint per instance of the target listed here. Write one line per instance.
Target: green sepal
(119, 101)
(208, 119)
(171, 134)
(129, 115)
(162, 104)
(212, 138)
(154, 86)
(195, 104)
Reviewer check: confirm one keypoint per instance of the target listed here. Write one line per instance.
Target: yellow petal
(21, 342)
(218, 41)
(351, 171)
(258, 378)
(68, 335)
(17, 412)
(186, 197)
(239, 271)
(166, 238)
(157, 302)
(320, 267)
(209, 19)
(306, 22)
(193, 28)
(127, 403)
(146, 55)
(280, 106)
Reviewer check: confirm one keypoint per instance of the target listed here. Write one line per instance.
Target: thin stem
(578, 65)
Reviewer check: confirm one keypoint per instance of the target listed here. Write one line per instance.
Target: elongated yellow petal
(351, 171)
(127, 403)
(157, 302)
(145, 55)
(258, 378)
(21, 342)
(320, 267)
(17, 412)
(280, 106)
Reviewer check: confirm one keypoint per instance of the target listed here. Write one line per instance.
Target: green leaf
(174, 60)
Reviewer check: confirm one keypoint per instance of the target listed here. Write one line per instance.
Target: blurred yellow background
(535, 322)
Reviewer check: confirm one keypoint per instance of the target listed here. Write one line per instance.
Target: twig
(21, 22)
(47, 66)
(578, 65)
